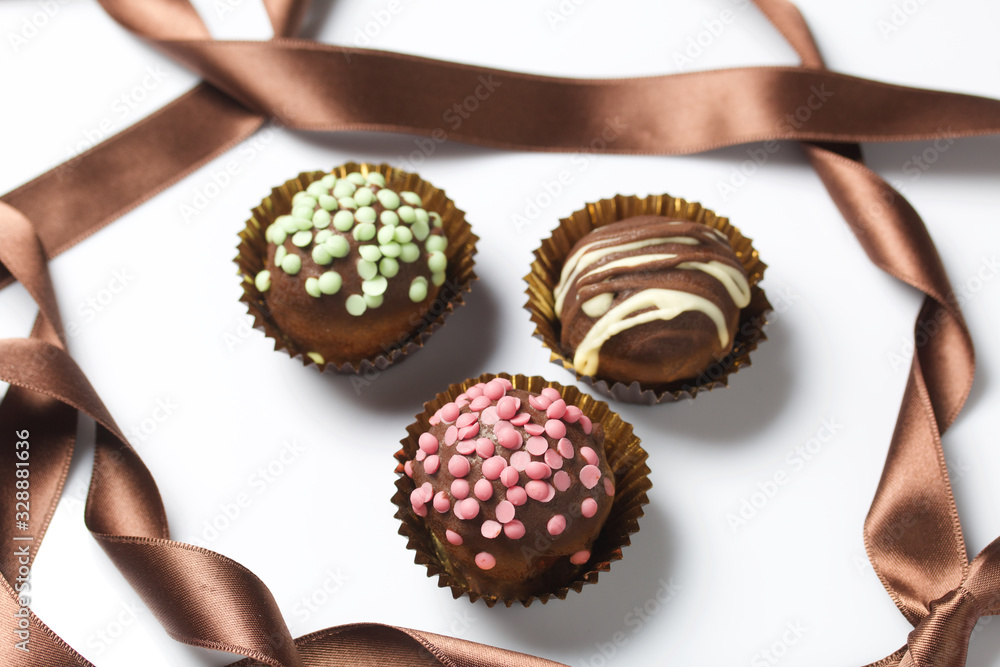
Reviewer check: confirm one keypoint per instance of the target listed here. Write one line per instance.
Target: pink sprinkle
(441, 502)
(588, 507)
(427, 490)
(552, 459)
(474, 392)
(453, 537)
(514, 530)
(587, 425)
(537, 445)
(491, 529)
(432, 464)
(459, 489)
(464, 396)
(485, 447)
(590, 476)
(462, 401)
(449, 413)
(556, 410)
(580, 557)
(561, 479)
(485, 560)
(556, 525)
(521, 419)
(609, 486)
(572, 415)
(509, 438)
(483, 490)
(494, 390)
(520, 459)
(493, 467)
(517, 495)
(555, 429)
(589, 454)
(505, 511)
(435, 418)
(467, 419)
(459, 466)
(508, 406)
(451, 435)
(509, 476)
(428, 443)
(538, 490)
(538, 470)
(466, 447)
(534, 429)
(467, 509)
(419, 510)
(551, 393)
(539, 402)
(501, 425)
(469, 431)
(489, 416)
(505, 383)
(408, 468)
(421, 455)
(417, 498)
(565, 448)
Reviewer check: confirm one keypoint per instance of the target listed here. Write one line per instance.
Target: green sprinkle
(437, 262)
(303, 224)
(316, 357)
(356, 305)
(303, 211)
(436, 217)
(411, 198)
(343, 220)
(291, 264)
(389, 218)
(367, 270)
(375, 287)
(364, 196)
(392, 250)
(321, 255)
(302, 239)
(410, 253)
(420, 230)
(388, 267)
(330, 282)
(388, 199)
(403, 235)
(328, 202)
(365, 231)
(386, 234)
(312, 287)
(376, 178)
(422, 216)
(347, 202)
(373, 301)
(317, 188)
(323, 236)
(263, 281)
(303, 199)
(338, 246)
(418, 289)
(279, 254)
(357, 178)
(276, 234)
(365, 214)
(328, 181)
(436, 243)
(344, 188)
(322, 218)
(437, 279)
(370, 253)
(288, 224)
(407, 214)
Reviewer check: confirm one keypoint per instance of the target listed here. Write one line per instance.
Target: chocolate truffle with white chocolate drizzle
(513, 487)
(650, 299)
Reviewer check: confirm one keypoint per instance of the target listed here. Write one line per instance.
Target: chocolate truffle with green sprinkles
(353, 267)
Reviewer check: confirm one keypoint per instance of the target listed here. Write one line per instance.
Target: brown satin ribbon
(913, 534)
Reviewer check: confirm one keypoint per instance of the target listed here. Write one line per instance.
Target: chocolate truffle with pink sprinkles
(513, 486)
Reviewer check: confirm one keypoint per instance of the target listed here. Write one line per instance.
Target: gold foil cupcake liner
(252, 255)
(546, 269)
(625, 456)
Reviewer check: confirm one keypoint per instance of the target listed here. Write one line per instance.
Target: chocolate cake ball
(514, 488)
(650, 299)
(353, 267)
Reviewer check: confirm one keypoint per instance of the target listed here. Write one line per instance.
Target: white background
(177, 335)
